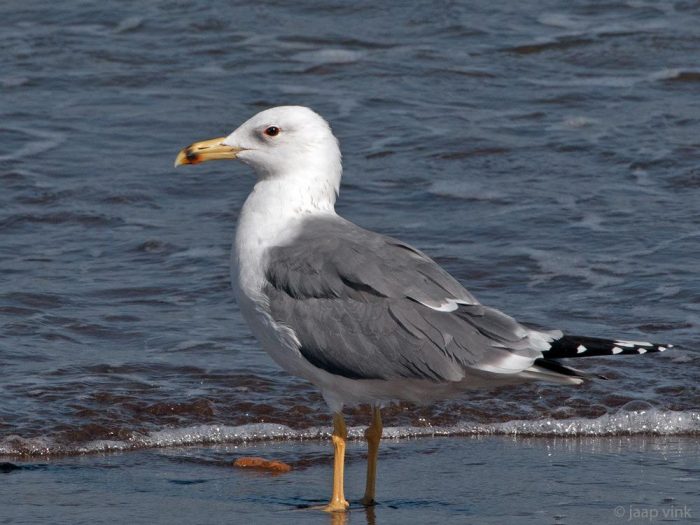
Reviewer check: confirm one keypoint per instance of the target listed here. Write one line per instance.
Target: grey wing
(334, 257)
(366, 306)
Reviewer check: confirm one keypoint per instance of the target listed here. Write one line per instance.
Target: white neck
(271, 215)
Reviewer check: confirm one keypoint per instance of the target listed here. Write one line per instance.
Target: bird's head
(284, 141)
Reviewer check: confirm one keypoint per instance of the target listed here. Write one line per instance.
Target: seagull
(367, 318)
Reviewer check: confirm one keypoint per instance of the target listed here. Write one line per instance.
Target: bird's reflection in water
(339, 518)
(342, 518)
(371, 518)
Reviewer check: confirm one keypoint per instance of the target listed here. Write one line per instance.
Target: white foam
(563, 264)
(579, 122)
(562, 21)
(129, 24)
(329, 56)
(38, 141)
(201, 252)
(666, 74)
(469, 190)
(13, 81)
(645, 421)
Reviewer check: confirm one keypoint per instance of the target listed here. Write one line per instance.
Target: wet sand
(432, 480)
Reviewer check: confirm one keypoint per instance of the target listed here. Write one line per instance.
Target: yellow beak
(213, 149)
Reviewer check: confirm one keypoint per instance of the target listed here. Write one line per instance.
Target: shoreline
(487, 479)
(624, 423)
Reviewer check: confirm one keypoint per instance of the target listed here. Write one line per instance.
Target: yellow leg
(373, 435)
(338, 502)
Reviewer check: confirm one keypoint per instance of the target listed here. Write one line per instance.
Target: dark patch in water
(188, 481)
(472, 153)
(58, 218)
(559, 45)
(685, 76)
(6, 467)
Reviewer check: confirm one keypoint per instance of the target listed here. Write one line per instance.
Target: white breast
(269, 217)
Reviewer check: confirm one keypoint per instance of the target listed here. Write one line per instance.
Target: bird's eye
(272, 131)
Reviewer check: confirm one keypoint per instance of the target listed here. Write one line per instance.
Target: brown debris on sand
(262, 464)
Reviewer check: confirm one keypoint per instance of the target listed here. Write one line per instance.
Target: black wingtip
(582, 346)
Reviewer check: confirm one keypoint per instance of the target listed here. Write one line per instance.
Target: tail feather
(555, 366)
(581, 346)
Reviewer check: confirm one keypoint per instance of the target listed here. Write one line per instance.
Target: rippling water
(547, 155)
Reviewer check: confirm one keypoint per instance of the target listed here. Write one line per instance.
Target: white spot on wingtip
(641, 350)
(581, 349)
(661, 348)
(632, 343)
(616, 350)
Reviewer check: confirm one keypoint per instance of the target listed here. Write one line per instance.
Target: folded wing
(367, 306)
